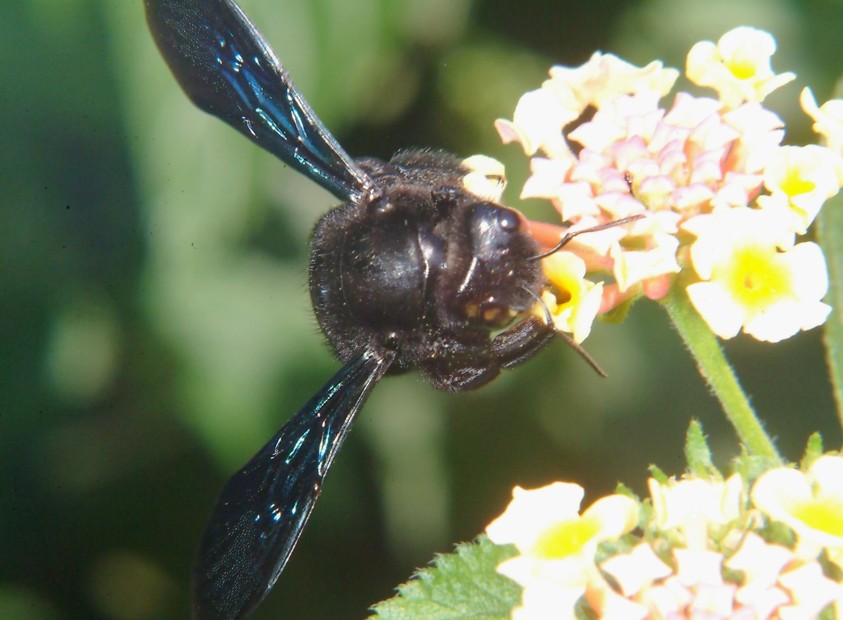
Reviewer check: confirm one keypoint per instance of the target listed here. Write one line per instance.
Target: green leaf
(830, 224)
(622, 489)
(813, 451)
(697, 452)
(658, 474)
(462, 584)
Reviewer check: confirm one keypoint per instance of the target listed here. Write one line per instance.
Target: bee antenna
(583, 354)
(570, 235)
(548, 318)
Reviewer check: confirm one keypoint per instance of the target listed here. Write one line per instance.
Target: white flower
(572, 300)
(635, 266)
(810, 590)
(800, 179)
(737, 67)
(759, 561)
(748, 282)
(556, 543)
(693, 504)
(546, 600)
(486, 177)
(605, 76)
(538, 121)
(828, 120)
(810, 504)
(637, 569)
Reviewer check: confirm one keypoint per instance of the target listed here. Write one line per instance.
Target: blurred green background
(155, 326)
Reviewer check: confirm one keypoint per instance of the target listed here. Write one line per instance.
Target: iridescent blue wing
(227, 69)
(263, 508)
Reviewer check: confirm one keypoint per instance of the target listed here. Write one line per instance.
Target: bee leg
(521, 342)
(478, 364)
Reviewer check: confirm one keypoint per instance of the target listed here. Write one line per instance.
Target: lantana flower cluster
(699, 547)
(723, 203)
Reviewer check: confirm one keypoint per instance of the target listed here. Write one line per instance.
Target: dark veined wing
(227, 69)
(263, 508)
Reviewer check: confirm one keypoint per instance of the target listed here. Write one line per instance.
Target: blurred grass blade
(831, 239)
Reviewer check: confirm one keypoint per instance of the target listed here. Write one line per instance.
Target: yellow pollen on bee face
(472, 310)
(493, 314)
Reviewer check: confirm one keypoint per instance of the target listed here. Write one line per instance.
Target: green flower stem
(716, 370)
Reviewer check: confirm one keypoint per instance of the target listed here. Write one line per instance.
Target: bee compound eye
(509, 220)
(495, 218)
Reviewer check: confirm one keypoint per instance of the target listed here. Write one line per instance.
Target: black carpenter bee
(411, 272)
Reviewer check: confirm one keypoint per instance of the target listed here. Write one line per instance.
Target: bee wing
(227, 69)
(263, 508)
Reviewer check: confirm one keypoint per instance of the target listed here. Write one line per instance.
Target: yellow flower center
(794, 184)
(563, 296)
(741, 68)
(566, 539)
(565, 285)
(823, 513)
(756, 277)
